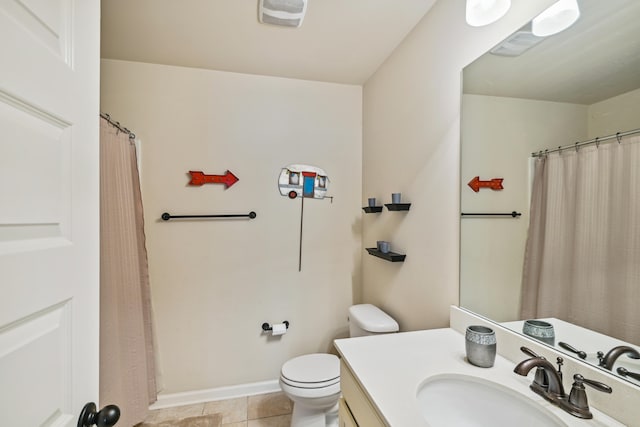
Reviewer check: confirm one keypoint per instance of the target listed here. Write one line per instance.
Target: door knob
(107, 417)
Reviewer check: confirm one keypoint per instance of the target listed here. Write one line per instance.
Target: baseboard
(212, 394)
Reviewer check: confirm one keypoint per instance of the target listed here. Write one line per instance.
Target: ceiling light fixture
(288, 13)
(560, 16)
(485, 12)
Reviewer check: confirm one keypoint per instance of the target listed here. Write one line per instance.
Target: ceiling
(342, 41)
(596, 59)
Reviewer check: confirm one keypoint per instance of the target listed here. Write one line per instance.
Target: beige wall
(215, 282)
(617, 114)
(411, 145)
(498, 137)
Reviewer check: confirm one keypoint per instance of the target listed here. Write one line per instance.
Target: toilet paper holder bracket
(267, 327)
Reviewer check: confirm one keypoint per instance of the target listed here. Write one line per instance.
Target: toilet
(312, 381)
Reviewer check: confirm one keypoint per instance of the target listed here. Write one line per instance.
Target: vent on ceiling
(517, 44)
(288, 13)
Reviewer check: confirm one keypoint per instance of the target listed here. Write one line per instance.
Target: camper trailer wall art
(303, 181)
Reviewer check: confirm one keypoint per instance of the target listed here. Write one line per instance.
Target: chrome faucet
(609, 359)
(576, 402)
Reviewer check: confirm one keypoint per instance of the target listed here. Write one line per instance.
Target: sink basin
(465, 401)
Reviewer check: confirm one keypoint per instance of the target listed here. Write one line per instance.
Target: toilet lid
(312, 368)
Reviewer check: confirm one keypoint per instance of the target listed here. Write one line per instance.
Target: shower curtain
(127, 371)
(582, 258)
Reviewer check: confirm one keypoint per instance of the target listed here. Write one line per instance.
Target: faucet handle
(625, 373)
(579, 405)
(581, 354)
(595, 384)
(529, 352)
(600, 358)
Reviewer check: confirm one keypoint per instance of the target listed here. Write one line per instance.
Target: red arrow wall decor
(199, 178)
(494, 184)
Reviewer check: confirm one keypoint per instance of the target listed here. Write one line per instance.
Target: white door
(49, 210)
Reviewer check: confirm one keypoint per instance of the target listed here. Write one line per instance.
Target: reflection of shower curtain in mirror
(582, 259)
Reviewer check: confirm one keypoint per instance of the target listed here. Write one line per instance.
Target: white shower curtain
(582, 259)
(127, 371)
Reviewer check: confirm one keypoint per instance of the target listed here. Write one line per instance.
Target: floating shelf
(372, 209)
(389, 256)
(398, 206)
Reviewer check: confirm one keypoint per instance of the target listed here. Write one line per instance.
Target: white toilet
(312, 381)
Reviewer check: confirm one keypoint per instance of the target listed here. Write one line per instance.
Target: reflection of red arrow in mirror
(199, 178)
(494, 184)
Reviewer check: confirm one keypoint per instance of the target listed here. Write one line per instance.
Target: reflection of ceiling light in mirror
(560, 16)
(485, 12)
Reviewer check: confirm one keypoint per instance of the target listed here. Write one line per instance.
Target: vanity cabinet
(355, 407)
(344, 415)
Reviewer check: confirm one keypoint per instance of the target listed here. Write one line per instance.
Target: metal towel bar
(167, 216)
(513, 214)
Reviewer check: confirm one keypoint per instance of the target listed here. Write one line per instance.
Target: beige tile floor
(264, 410)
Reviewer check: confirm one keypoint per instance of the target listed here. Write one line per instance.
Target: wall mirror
(530, 94)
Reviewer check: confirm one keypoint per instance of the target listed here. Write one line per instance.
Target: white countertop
(392, 367)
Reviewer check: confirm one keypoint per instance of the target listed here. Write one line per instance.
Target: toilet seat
(311, 371)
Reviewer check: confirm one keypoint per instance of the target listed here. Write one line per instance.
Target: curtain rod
(596, 141)
(118, 125)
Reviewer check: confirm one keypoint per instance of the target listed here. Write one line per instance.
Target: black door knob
(106, 417)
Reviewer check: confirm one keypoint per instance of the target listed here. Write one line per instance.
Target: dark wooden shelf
(398, 206)
(372, 209)
(389, 256)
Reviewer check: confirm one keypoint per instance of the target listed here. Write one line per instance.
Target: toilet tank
(367, 319)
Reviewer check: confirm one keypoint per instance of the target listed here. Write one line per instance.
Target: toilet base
(331, 417)
(303, 416)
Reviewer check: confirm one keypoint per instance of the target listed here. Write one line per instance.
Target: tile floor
(264, 410)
